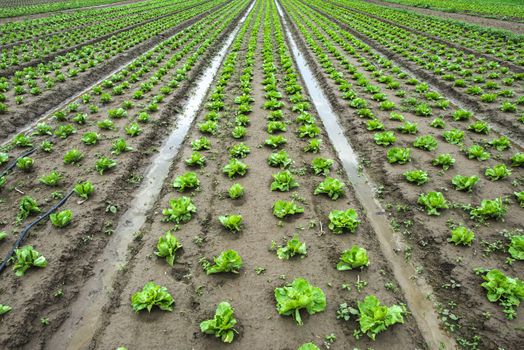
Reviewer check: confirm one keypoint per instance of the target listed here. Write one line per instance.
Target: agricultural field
(488, 8)
(264, 174)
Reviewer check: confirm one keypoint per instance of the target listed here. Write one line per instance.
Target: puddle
(414, 291)
(78, 330)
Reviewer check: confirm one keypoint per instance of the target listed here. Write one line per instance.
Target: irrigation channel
(415, 292)
(78, 330)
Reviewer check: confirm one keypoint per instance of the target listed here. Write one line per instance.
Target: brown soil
(437, 260)
(71, 251)
(506, 24)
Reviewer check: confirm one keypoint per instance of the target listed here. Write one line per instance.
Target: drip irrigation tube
(26, 229)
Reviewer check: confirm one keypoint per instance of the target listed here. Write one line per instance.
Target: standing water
(415, 292)
(78, 330)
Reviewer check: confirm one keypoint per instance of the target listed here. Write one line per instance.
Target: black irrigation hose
(13, 164)
(26, 229)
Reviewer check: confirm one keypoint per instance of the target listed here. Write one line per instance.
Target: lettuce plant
(308, 130)
(27, 257)
(238, 132)
(25, 164)
(445, 160)
(279, 159)
(332, 187)
(201, 144)
(186, 181)
(4, 157)
(477, 152)
(462, 114)
(276, 126)
(385, 138)
(227, 261)
(64, 131)
(517, 160)
(133, 129)
(489, 208)
(479, 127)
(62, 218)
(298, 295)
(374, 318)
(167, 246)
(73, 156)
(353, 258)
(375, 125)
(398, 155)
(222, 325)
(239, 150)
(433, 201)
(275, 141)
(152, 295)
(27, 207)
(292, 247)
(426, 143)
(236, 191)
(282, 208)
(90, 138)
(103, 164)
(322, 166)
(408, 128)
(283, 181)
(22, 140)
(235, 168)
(340, 221)
(84, 189)
(418, 177)
(308, 346)
(464, 183)
(498, 172)
(5, 309)
(461, 235)
(520, 197)
(507, 291)
(453, 136)
(516, 247)
(180, 210)
(500, 144)
(120, 146)
(231, 222)
(196, 159)
(313, 146)
(52, 179)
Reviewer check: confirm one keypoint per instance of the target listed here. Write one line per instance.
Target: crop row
(13, 8)
(32, 50)
(503, 9)
(504, 45)
(446, 165)
(485, 82)
(32, 29)
(27, 53)
(110, 142)
(40, 83)
(257, 166)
